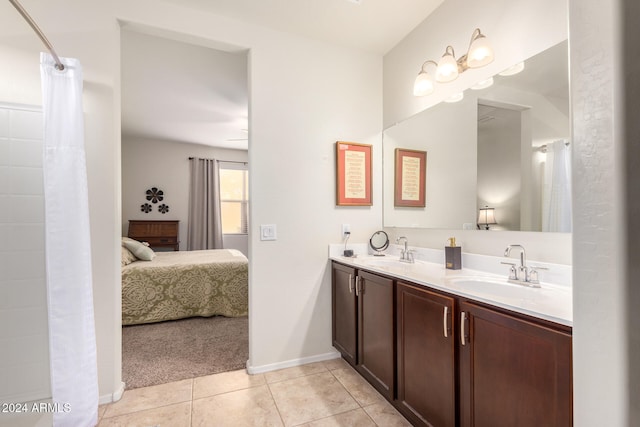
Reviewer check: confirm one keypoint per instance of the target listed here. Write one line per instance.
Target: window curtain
(204, 230)
(556, 203)
(72, 341)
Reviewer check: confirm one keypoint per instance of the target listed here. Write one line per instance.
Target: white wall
(293, 123)
(165, 165)
(514, 30)
(448, 134)
(604, 90)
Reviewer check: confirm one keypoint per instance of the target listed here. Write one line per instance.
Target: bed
(177, 285)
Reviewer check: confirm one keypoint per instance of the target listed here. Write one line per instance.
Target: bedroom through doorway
(184, 104)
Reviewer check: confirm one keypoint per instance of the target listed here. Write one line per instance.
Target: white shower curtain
(72, 345)
(556, 203)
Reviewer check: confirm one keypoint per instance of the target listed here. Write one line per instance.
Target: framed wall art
(410, 178)
(353, 174)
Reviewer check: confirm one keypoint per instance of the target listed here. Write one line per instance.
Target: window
(234, 198)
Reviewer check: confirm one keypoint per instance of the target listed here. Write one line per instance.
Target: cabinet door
(426, 356)
(513, 372)
(376, 332)
(344, 311)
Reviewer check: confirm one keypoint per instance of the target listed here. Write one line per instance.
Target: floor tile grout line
(362, 406)
(193, 384)
(146, 409)
(347, 390)
(275, 404)
(193, 398)
(298, 376)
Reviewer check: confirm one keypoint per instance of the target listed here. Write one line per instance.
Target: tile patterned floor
(323, 394)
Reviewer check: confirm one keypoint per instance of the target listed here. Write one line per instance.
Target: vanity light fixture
(486, 217)
(448, 68)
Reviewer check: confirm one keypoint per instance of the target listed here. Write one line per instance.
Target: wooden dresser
(159, 234)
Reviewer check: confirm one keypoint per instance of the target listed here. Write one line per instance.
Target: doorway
(180, 100)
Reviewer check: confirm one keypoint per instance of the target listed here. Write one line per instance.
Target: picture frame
(353, 174)
(410, 178)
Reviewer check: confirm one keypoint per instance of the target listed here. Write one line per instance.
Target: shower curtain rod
(543, 148)
(31, 22)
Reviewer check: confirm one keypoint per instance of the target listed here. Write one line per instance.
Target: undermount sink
(495, 287)
(382, 262)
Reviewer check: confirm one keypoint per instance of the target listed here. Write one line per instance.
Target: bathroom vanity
(455, 348)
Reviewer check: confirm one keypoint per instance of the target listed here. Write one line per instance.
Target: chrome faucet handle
(513, 271)
(533, 274)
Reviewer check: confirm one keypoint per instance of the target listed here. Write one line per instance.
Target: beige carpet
(158, 353)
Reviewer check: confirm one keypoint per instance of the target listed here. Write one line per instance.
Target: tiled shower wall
(24, 349)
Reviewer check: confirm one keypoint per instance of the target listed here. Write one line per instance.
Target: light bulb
(423, 85)
(447, 70)
(480, 52)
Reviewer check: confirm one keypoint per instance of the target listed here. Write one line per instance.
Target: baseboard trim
(252, 370)
(113, 397)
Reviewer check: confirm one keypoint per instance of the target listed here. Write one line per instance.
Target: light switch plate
(268, 232)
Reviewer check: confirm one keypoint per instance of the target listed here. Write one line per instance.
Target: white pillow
(127, 257)
(141, 251)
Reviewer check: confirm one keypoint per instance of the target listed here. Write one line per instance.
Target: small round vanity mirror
(379, 242)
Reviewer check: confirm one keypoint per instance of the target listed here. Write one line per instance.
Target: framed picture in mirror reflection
(410, 178)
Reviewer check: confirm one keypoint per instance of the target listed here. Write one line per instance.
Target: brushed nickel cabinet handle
(350, 285)
(444, 322)
(463, 317)
(357, 285)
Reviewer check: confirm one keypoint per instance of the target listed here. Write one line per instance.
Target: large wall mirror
(499, 159)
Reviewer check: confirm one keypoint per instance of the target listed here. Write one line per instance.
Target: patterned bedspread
(176, 285)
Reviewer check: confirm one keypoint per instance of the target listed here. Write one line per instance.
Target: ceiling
(203, 98)
(372, 25)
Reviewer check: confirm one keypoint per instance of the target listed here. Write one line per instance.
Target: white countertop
(549, 302)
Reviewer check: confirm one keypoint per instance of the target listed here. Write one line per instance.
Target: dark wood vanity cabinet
(362, 324)
(443, 360)
(513, 371)
(344, 312)
(376, 345)
(426, 356)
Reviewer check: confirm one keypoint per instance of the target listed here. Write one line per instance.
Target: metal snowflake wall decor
(146, 208)
(163, 208)
(155, 195)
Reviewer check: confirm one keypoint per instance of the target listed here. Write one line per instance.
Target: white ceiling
(182, 92)
(371, 25)
(202, 98)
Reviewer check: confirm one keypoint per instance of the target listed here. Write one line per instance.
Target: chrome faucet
(406, 254)
(522, 275)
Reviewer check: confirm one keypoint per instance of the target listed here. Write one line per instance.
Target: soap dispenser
(453, 255)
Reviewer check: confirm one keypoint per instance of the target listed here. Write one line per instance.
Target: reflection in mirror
(504, 147)
(379, 242)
